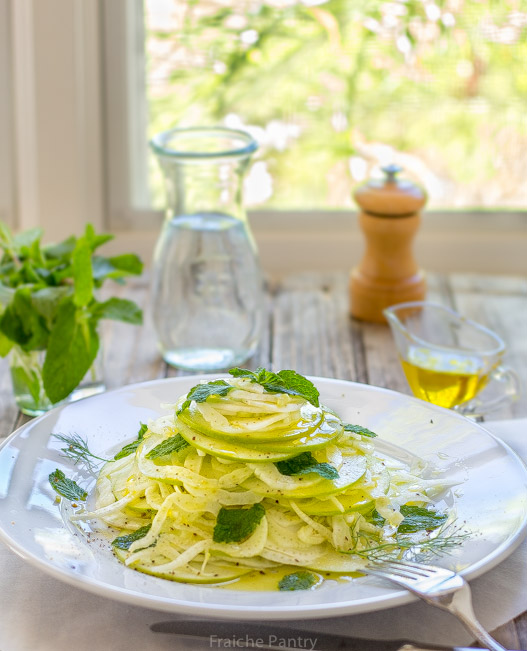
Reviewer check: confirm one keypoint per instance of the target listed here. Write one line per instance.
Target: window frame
(55, 66)
(7, 160)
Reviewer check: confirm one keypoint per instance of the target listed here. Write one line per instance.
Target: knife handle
(411, 647)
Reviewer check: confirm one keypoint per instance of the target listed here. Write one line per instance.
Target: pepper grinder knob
(389, 219)
(391, 172)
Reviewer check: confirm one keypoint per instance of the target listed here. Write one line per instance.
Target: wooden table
(308, 329)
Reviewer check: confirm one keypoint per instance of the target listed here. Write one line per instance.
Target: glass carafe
(207, 284)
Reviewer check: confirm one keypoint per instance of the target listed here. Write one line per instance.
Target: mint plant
(48, 303)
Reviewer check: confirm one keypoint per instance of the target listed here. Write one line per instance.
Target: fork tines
(409, 570)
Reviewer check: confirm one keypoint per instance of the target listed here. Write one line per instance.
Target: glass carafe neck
(205, 187)
(204, 169)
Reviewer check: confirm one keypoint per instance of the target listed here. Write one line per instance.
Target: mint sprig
(48, 302)
(168, 446)
(130, 448)
(201, 392)
(285, 381)
(66, 487)
(305, 463)
(359, 429)
(236, 525)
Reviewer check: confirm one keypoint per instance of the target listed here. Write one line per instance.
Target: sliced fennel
(235, 443)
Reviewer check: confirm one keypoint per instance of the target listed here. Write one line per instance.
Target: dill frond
(77, 450)
(448, 538)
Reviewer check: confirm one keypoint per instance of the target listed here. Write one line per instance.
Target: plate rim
(395, 597)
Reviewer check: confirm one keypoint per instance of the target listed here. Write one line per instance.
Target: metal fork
(438, 587)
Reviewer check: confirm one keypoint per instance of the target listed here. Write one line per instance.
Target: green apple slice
(214, 572)
(310, 419)
(351, 470)
(140, 505)
(329, 428)
(226, 450)
(356, 501)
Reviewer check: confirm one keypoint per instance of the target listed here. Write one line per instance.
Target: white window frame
(128, 201)
(57, 109)
(79, 153)
(7, 176)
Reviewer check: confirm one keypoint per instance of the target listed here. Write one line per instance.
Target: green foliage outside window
(333, 89)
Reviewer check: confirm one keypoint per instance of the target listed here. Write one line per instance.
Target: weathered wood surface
(307, 328)
(313, 333)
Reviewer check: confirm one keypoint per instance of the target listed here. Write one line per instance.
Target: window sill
(462, 241)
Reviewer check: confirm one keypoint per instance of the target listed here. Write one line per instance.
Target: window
(89, 81)
(334, 89)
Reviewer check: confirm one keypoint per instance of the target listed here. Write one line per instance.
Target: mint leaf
(6, 293)
(201, 392)
(130, 448)
(66, 487)
(35, 253)
(118, 309)
(377, 519)
(298, 385)
(117, 266)
(170, 445)
(21, 324)
(125, 542)
(5, 345)
(305, 463)
(94, 240)
(46, 301)
(82, 273)
(236, 525)
(359, 429)
(261, 376)
(128, 263)
(127, 450)
(285, 381)
(6, 237)
(72, 348)
(62, 249)
(298, 581)
(419, 518)
(27, 239)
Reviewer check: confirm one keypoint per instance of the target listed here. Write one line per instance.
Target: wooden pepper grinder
(388, 273)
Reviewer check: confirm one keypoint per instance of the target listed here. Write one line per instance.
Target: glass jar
(207, 283)
(28, 385)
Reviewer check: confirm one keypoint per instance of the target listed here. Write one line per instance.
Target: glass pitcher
(207, 283)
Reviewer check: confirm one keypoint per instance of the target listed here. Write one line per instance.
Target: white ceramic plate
(491, 501)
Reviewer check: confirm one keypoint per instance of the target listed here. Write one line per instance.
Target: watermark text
(271, 641)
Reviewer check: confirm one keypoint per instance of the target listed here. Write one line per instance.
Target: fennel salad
(250, 477)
